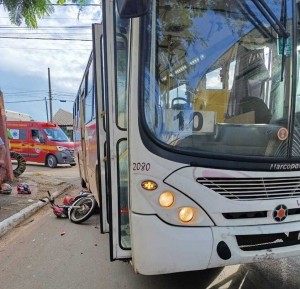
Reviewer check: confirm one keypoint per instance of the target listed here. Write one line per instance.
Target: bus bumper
(159, 248)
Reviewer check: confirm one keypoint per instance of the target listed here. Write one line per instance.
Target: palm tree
(30, 10)
(27, 10)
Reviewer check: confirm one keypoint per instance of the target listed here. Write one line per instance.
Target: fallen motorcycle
(78, 209)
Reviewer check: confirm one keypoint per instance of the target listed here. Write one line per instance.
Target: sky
(24, 62)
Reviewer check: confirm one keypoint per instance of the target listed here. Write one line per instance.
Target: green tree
(30, 11)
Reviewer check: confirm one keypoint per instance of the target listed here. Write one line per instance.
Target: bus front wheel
(51, 161)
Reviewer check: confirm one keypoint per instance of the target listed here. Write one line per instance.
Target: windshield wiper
(283, 21)
(271, 17)
(257, 23)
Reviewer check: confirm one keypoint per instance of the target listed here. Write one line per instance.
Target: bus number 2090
(141, 166)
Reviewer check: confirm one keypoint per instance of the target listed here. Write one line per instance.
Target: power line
(28, 91)
(45, 49)
(73, 4)
(21, 92)
(47, 27)
(43, 33)
(65, 5)
(18, 92)
(35, 100)
(22, 96)
(59, 91)
(64, 100)
(24, 92)
(34, 94)
(61, 18)
(17, 99)
(39, 38)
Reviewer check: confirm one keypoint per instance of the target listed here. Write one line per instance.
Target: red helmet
(68, 200)
(23, 188)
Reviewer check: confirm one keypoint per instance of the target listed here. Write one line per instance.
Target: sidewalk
(15, 208)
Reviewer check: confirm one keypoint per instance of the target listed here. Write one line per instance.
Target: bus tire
(72, 165)
(51, 161)
(21, 167)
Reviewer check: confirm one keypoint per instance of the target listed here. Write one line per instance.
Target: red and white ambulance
(41, 142)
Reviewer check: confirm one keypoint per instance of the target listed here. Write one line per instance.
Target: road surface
(46, 252)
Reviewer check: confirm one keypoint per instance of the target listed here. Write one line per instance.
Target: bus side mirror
(132, 8)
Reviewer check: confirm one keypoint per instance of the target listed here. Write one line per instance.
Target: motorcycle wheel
(21, 163)
(84, 208)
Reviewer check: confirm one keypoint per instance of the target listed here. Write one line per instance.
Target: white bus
(188, 133)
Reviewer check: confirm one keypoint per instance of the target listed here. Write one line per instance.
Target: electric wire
(38, 100)
(39, 38)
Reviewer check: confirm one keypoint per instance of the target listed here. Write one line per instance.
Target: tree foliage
(27, 10)
(30, 11)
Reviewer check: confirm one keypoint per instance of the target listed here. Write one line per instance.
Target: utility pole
(46, 108)
(50, 95)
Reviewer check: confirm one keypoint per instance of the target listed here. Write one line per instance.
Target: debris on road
(5, 189)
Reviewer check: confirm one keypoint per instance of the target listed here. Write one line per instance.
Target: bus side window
(89, 98)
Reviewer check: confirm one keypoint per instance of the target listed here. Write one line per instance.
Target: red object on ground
(23, 188)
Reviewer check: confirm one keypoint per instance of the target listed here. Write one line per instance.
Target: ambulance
(41, 142)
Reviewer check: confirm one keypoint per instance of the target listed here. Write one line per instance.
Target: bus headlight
(169, 204)
(166, 199)
(186, 214)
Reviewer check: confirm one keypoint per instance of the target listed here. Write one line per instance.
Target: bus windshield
(217, 77)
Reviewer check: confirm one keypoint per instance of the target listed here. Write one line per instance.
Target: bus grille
(267, 241)
(247, 189)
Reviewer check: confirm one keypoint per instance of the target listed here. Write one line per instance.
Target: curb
(14, 220)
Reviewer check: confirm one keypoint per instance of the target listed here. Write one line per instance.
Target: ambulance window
(18, 133)
(22, 134)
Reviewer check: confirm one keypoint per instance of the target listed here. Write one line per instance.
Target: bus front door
(101, 174)
(116, 55)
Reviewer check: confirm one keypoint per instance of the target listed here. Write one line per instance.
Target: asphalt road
(63, 172)
(46, 252)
